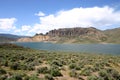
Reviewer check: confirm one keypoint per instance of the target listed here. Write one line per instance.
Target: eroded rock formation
(69, 34)
(36, 38)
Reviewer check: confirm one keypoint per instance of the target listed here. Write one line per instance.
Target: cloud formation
(7, 24)
(40, 14)
(99, 17)
(25, 28)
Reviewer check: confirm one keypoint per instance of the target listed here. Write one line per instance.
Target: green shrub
(54, 67)
(78, 68)
(72, 66)
(93, 77)
(30, 67)
(86, 72)
(26, 78)
(80, 78)
(16, 77)
(48, 77)
(2, 71)
(55, 73)
(43, 70)
(31, 59)
(73, 73)
(23, 67)
(98, 66)
(56, 62)
(115, 74)
(33, 77)
(6, 63)
(3, 77)
(14, 66)
(105, 76)
(103, 73)
(21, 57)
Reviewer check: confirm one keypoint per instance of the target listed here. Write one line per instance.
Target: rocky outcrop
(36, 38)
(69, 35)
(73, 32)
(86, 34)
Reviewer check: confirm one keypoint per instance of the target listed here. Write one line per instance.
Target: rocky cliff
(36, 38)
(70, 35)
(72, 32)
(74, 35)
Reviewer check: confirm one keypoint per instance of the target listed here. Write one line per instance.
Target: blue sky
(27, 17)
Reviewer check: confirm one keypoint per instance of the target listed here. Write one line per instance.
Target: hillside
(9, 37)
(6, 39)
(36, 38)
(19, 63)
(69, 35)
(113, 35)
(77, 35)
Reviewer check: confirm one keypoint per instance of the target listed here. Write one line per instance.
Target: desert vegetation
(19, 63)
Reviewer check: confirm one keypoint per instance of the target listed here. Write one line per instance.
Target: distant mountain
(9, 37)
(77, 35)
(36, 38)
(6, 39)
(113, 35)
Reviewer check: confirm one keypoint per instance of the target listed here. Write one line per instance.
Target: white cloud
(7, 23)
(38, 28)
(25, 28)
(40, 14)
(98, 17)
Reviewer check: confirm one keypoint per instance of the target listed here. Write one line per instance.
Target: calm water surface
(91, 48)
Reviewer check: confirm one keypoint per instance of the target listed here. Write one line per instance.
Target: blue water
(91, 48)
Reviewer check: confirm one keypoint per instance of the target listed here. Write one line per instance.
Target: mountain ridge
(4, 37)
(75, 35)
(113, 35)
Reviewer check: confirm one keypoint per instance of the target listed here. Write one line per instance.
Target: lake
(89, 48)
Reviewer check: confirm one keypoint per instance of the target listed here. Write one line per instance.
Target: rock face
(71, 35)
(73, 32)
(36, 38)
(77, 35)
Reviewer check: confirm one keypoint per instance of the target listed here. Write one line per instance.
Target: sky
(28, 17)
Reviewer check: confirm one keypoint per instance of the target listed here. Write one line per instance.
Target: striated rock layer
(71, 35)
(74, 32)
(75, 35)
(36, 38)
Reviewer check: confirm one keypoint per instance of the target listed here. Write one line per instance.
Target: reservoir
(88, 48)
